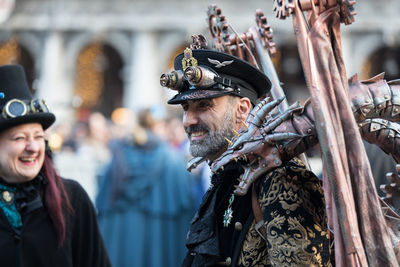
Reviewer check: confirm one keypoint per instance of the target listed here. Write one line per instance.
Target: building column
(55, 85)
(142, 88)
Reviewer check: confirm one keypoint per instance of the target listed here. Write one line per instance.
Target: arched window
(98, 79)
(385, 59)
(12, 52)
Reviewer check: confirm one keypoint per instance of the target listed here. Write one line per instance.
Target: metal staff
(361, 234)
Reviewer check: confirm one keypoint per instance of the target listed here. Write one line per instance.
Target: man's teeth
(194, 134)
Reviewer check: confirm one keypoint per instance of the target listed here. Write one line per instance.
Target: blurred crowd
(83, 149)
(133, 167)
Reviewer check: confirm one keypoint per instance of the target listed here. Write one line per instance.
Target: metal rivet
(7, 196)
(238, 226)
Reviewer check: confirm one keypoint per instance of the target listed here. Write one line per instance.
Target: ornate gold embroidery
(254, 250)
(291, 199)
(290, 247)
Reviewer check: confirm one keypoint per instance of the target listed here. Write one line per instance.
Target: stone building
(100, 55)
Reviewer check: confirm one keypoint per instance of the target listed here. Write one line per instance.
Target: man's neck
(216, 155)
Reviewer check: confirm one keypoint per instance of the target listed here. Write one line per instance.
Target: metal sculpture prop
(362, 237)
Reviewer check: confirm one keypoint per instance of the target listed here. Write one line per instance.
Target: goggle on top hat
(16, 103)
(203, 73)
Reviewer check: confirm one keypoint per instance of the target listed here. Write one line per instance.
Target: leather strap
(260, 227)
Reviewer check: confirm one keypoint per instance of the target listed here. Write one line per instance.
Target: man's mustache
(196, 128)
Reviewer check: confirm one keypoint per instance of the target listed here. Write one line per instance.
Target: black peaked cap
(253, 82)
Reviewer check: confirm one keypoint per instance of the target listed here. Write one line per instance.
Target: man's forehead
(215, 100)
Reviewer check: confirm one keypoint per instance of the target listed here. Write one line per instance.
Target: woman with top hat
(45, 220)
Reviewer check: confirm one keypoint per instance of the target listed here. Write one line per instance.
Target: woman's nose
(33, 145)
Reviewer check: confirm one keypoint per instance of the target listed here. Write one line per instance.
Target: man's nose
(189, 118)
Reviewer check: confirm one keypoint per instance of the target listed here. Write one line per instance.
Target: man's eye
(185, 107)
(204, 104)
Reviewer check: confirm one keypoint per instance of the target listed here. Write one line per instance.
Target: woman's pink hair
(56, 199)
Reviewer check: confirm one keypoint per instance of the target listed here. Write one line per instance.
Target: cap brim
(45, 119)
(196, 95)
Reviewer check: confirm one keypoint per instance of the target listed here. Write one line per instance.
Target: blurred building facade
(97, 55)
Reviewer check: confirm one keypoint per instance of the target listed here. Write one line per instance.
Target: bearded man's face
(207, 123)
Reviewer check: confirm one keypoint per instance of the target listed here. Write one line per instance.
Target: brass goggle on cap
(16, 107)
(206, 73)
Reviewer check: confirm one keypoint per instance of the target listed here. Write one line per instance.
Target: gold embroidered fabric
(291, 199)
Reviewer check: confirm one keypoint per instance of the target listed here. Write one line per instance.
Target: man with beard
(217, 91)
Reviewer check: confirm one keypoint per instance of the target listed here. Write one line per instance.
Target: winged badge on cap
(219, 64)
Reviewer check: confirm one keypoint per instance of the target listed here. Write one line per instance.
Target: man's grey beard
(215, 142)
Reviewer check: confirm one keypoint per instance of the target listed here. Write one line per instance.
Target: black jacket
(291, 200)
(35, 244)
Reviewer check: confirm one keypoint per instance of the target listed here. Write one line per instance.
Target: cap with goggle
(205, 73)
(16, 107)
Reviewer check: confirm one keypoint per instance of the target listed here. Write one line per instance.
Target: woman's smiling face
(22, 152)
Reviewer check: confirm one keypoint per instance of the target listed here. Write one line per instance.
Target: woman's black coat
(35, 244)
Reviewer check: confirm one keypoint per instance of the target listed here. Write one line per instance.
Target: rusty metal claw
(282, 117)
(258, 114)
(279, 137)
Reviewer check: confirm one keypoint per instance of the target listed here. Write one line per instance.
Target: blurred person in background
(86, 152)
(47, 220)
(144, 201)
(94, 145)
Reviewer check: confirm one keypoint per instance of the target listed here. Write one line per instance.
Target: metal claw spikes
(259, 113)
(283, 8)
(275, 122)
(266, 32)
(218, 27)
(347, 11)
(198, 42)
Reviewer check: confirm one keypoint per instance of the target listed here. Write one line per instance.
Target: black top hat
(16, 103)
(208, 74)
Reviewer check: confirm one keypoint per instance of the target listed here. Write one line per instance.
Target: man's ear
(243, 109)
